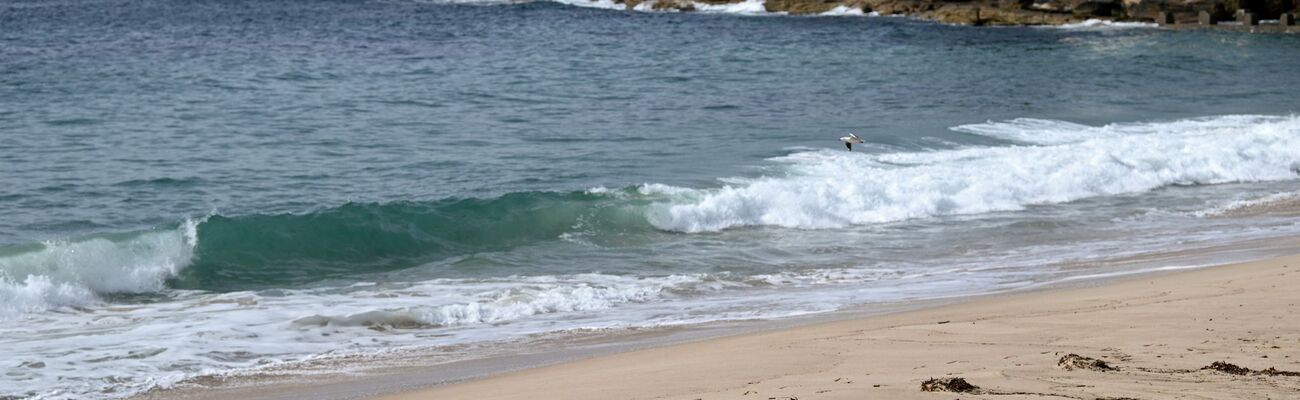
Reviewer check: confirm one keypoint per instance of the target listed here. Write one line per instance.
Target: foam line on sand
(1163, 335)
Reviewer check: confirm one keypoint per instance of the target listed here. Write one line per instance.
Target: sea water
(192, 189)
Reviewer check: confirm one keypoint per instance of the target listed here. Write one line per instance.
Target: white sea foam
(1285, 203)
(653, 191)
(750, 7)
(139, 346)
(828, 189)
(152, 345)
(72, 273)
(662, 190)
(745, 7)
(842, 10)
(603, 4)
(1101, 24)
(827, 276)
(465, 2)
(39, 293)
(1037, 131)
(479, 302)
(1050, 132)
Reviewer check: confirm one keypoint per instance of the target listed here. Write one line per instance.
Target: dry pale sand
(1158, 330)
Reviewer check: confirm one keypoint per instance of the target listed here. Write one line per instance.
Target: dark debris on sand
(1227, 368)
(1233, 369)
(1276, 372)
(954, 384)
(1074, 361)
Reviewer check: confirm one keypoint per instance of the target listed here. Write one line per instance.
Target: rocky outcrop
(1186, 11)
(1006, 12)
(800, 7)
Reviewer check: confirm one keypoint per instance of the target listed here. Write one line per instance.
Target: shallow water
(197, 188)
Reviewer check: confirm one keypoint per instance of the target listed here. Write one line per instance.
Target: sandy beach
(1152, 337)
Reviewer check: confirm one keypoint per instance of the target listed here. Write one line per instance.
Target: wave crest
(271, 250)
(827, 189)
(73, 273)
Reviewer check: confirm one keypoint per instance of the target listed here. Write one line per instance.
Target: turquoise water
(195, 188)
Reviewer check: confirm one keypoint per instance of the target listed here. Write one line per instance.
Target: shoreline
(418, 378)
(1158, 329)
(1238, 17)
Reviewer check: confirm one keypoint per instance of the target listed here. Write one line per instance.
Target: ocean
(198, 189)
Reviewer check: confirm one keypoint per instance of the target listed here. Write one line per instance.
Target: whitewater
(187, 329)
(1058, 162)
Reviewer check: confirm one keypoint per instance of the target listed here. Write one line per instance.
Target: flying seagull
(850, 140)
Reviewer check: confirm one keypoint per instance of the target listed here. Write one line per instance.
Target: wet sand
(1156, 334)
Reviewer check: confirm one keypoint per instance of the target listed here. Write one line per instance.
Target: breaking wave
(228, 253)
(72, 273)
(236, 253)
(740, 7)
(832, 189)
(1100, 24)
(1053, 162)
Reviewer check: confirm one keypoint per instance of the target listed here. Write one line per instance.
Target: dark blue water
(489, 170)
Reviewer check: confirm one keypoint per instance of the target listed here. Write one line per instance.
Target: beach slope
(1154, 337)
